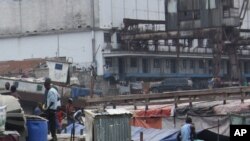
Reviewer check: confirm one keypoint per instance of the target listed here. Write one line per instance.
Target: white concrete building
(71, 28)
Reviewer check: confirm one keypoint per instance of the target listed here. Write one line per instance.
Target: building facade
(88, 33)
(72, 28)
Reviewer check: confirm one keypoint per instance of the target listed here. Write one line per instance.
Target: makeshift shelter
(152, 118)
(150, 134)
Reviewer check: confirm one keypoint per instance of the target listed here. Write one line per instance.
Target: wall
(58, 72)
(22, 19)
(38, 16)
(238, 4)
(75, 46)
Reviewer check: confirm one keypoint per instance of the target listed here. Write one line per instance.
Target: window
(156, 63)
(58, 66)
(197, 15)
(107, 37)
(184, 64)
(210, 63)
(192, 64)
(108, 62)
(118, 38)
(210, 4)
(201, 64)
(133, 62)
(200, 43)
(167, 63)
(39, 87)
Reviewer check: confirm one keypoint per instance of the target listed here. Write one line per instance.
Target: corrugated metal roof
(19, 67)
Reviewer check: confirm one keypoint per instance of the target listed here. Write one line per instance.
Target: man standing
(51, 107)
(187, 132)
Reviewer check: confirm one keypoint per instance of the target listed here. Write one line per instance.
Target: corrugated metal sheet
(111, 125)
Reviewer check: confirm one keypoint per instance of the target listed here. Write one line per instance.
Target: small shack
(108, 125)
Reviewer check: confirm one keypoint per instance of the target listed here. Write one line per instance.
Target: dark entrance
(145, 64)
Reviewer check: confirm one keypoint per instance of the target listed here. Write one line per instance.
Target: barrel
(37, 129)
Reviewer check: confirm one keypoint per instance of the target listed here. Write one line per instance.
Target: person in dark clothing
(7, 86)
(51, 107)
(70, 109)
(14, 92)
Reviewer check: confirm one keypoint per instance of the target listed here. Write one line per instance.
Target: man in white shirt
(187, 132)
(51, 107)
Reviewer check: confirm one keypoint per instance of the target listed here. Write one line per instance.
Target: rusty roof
(12, 68)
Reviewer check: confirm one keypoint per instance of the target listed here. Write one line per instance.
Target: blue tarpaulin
(150, 134)
(79, 129)
(78, 91)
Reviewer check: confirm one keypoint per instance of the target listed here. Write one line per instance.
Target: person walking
(187, 132)
(51, 107)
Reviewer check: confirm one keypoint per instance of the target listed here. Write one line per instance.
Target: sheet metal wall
(108, 127)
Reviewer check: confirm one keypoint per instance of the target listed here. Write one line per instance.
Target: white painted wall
(100, 45)
(22, 16)
(73, 45)
(58, 74)
(238, 4)
(39, 16)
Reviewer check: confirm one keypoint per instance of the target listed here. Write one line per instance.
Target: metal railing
(175, 97)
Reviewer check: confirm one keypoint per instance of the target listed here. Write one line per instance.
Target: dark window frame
(107, 37)
(192, 64)
(157, 63)
(133, 62)
(184, 64)
(108, 62)
(167, 63)
(201, 64)
(58, 66)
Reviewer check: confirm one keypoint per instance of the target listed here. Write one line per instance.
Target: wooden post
(225, 98)
(176, 101)
(134, 103)
(141, 136)
(190, 101)
(114, 105)
(147, 101)
(243, 95)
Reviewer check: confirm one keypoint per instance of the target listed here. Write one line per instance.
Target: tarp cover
(152, 118)
(159, 112)
(79, 129)
(78, 91)
(150, 134)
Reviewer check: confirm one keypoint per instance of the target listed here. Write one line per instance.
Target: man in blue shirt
(51, 107)
(187, 132)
